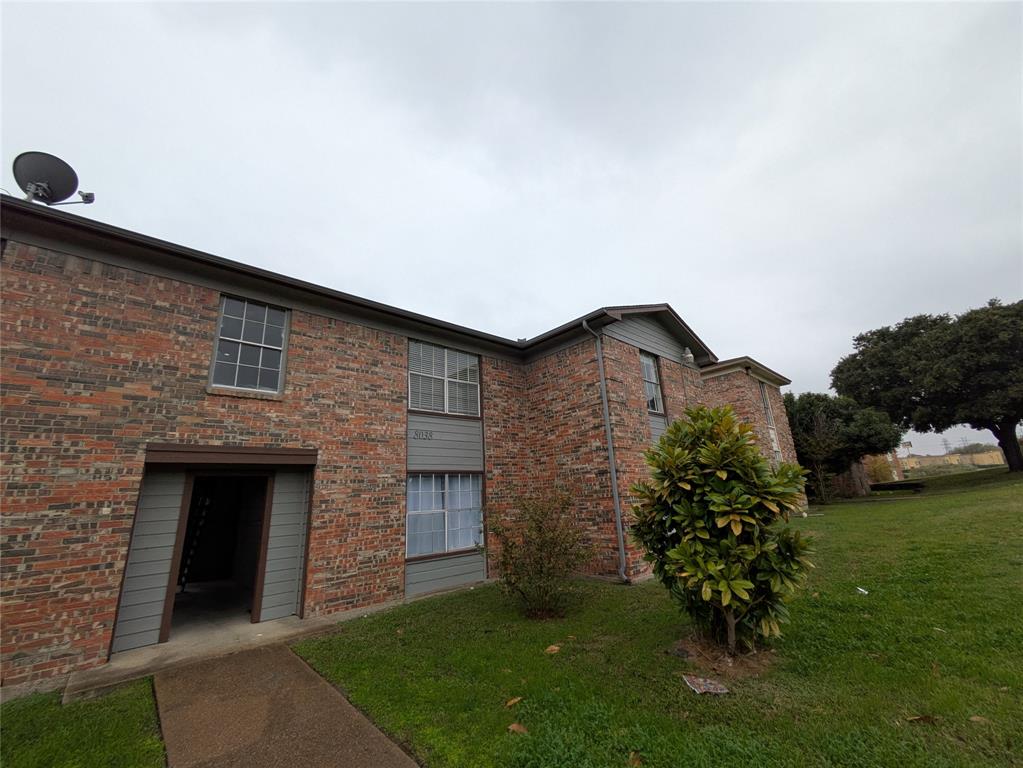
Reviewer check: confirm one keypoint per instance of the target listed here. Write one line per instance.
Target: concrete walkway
(264, 707)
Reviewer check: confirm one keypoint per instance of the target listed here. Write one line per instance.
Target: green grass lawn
(115, 730)
(938, 635)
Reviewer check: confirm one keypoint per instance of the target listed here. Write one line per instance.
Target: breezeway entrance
(212, 547)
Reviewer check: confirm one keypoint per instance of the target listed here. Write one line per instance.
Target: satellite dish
(47, 179)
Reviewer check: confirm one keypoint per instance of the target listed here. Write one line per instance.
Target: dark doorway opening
(221, 551)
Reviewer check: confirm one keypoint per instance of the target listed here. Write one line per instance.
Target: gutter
(610, 456)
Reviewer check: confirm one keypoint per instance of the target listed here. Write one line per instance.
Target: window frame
(657, 372)
(446, 379)
(445, 552)
(772, 429)
(285, 336)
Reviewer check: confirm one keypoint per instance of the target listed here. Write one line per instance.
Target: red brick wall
(681, 388)
(742, 391)
(505, 443)
(631, 424)
(567, 443)
(99, 360)
(553, 410)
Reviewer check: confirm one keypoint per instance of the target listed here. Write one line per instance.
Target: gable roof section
(748, 364)
(53, 229)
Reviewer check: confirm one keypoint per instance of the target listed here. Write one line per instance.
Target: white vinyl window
(443, 380)
(772, 430)
(445, 513)
(651, 383)
(250, 346)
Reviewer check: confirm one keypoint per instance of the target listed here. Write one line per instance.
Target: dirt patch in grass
(712, 660)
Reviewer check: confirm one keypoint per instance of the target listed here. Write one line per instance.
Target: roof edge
(36, 214)
(748, 364)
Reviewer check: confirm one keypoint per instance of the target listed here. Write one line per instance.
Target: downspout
(610, 456)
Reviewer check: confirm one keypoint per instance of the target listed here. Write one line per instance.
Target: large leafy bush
(539, 551)
(708, 519)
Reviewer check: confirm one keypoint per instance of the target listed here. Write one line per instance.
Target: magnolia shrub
(709, 518)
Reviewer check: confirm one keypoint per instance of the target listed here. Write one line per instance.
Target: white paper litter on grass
(704, 684)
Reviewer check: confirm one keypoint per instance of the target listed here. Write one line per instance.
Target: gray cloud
(785, 175)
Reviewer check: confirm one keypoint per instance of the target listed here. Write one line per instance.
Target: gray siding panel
(126, 641)
(149, 562)
(444, 573)
(647, 334)
(282, 581)
(657, 426)
(444, 443)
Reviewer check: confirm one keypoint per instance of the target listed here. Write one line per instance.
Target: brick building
(185, 434)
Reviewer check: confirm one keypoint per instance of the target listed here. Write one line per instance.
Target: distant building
(992, 458)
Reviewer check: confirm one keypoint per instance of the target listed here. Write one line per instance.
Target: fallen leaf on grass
(552, 649)
(922, 719)
(571, 637)
(513, 702)
(979, 719)
(517, 728)
(635, 759)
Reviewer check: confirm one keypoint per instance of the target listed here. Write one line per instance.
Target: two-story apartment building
(186, 435)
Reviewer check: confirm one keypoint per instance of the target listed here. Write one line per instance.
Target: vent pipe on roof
(610, 456)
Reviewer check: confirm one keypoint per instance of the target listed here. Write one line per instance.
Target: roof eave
(749, 365)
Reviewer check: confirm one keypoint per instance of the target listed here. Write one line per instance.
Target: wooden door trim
(311, 478)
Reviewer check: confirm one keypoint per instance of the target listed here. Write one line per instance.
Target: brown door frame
(179, 540)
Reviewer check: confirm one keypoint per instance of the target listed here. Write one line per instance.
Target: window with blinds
(445, 513)
(651, 383)
(443, 380)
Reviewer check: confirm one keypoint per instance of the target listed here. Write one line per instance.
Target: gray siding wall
(443, 443)
(149, 561)
(443, 573)
(285, 555)
(647, 334)
(657, 426)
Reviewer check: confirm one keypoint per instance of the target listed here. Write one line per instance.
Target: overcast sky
(785, 175)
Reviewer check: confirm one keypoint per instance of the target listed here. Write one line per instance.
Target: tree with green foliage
(832, 433)
(932, 372)
(707, 518)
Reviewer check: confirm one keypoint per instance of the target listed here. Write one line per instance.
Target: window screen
(444, 513)
(651, 383)
(250, 346)
(443, 380)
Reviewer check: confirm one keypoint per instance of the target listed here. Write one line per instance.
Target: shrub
(707, 519)
(539, 552)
